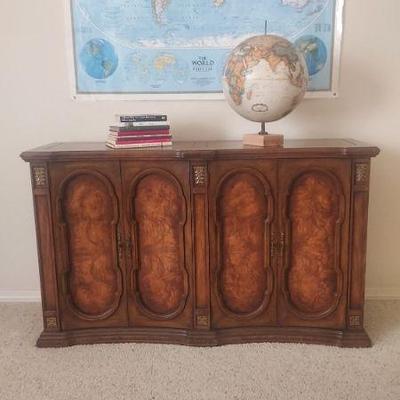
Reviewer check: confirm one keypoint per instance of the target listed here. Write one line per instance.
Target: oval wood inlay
(160, 213)
(314, 214)
(242, 212)
(88, 210)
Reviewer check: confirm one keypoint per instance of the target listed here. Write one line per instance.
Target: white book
(147, 123)
(137, 145)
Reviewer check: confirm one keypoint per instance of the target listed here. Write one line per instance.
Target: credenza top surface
(293, 148)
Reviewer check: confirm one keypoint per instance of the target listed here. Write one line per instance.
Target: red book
(140, 141)
(139, 138)
(141, 133)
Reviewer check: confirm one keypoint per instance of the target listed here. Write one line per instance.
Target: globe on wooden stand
(265, 78)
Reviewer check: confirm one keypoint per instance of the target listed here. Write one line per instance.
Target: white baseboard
(383, 293)
(20, 296)
(33, 296)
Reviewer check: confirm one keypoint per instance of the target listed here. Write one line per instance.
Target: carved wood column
(199, 183)
(358, 242)
(45, 244)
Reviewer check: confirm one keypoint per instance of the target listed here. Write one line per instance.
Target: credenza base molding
(338, 338)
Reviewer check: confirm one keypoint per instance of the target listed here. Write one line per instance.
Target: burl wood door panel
(86, 203)
(242, 211)
(159, 232)
(315, 198)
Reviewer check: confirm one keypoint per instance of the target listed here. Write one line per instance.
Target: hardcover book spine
(146, 123)
(137, 145)
(142, 118)
(139, 137)
(139, 128)
(140, 134)
(134, 141)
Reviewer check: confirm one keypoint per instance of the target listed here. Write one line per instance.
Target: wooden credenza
(202, 243)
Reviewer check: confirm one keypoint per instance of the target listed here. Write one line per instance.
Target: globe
(265, 78)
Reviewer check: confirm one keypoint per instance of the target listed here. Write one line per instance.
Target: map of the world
(181, 46)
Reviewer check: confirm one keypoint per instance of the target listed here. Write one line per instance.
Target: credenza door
(243, 223)
(314, 217)
(158, 243)
(86, 203)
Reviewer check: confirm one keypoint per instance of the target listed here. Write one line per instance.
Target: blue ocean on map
(180, 46)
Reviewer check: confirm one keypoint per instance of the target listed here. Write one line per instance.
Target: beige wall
(36, 108)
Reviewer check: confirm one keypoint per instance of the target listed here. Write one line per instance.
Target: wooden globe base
(263, 140)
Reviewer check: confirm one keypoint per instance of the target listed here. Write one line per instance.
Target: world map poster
(179, 47)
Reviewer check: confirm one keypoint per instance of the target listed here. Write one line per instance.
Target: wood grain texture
(358, 242)
(45, 246)
(242, 211)
(89, 217)
(203, 243)
(170, 242)
(314, 212)
(202, 275)
(199, 205)
(242, 243)
(160, 213)
(199, 150)
(45, 251)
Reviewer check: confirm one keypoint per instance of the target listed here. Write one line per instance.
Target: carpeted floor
(155, 372)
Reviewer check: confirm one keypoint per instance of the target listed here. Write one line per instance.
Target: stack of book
(132, 131)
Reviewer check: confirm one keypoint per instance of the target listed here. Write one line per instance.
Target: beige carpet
(154, 372)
